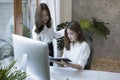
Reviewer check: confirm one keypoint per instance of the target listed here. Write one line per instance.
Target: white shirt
(78, 53)
(47, 34)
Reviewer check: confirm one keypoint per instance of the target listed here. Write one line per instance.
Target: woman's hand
(61, 62)
(76, 66)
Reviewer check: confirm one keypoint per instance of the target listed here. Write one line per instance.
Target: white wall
(65, 10)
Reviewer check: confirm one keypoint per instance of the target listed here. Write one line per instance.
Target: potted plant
(60, 41)
(9, 72)
(94, 27)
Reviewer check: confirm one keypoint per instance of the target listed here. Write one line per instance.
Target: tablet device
(59, 59)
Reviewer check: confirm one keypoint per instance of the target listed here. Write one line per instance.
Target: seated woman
(75, 48)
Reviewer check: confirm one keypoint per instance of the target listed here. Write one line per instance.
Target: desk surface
(60, 73)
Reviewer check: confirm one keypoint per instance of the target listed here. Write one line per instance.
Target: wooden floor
(106, 65)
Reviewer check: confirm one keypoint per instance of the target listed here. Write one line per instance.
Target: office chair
(88, 65)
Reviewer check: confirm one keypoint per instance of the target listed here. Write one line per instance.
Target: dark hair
(38, 17)
(74, 26)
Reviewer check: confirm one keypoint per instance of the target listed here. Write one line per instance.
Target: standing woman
(43, 29)
(75, 48)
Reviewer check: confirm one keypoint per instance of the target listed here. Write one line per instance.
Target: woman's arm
(58, 34)
(84, 54)
(76, 66)
(34, 35)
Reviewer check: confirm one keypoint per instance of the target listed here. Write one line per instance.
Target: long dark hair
(74, 26)
(38, 17)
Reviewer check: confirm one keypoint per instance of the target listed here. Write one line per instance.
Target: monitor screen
(32, 55)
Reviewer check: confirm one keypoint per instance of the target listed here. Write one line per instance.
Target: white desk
(59, 73)
(109, 76)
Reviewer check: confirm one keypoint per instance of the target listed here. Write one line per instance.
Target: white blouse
(78, 53)
(47, 34)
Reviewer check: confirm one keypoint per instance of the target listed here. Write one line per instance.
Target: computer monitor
(32, 55)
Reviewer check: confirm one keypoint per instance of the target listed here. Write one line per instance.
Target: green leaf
(85, 24)
(11, 73)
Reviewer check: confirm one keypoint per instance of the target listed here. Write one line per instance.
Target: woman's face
(72, 35)
(45, 16)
